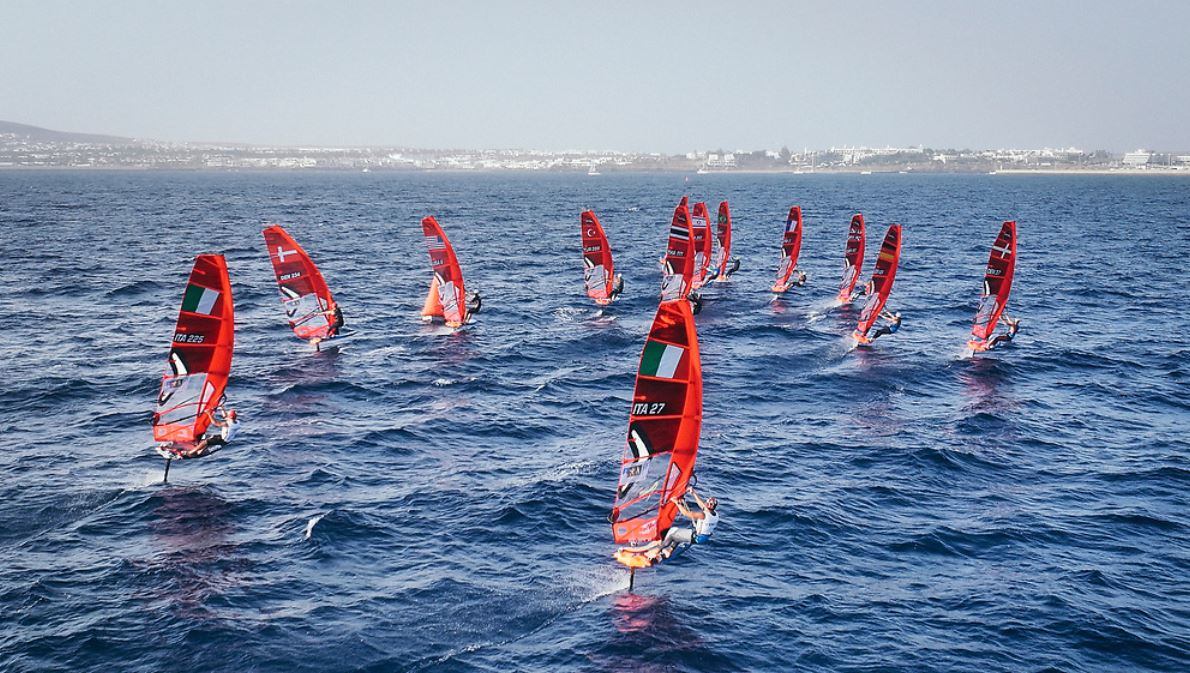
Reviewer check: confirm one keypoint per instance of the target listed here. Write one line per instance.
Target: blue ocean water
(425, 501)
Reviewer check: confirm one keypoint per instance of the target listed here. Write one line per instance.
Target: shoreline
(610, 172)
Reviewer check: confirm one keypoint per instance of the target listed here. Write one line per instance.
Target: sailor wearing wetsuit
(704, 520)
(617, 286)
(893, 325)
(1014, 326)
(228, 428)
(337, 324)
(474, 302)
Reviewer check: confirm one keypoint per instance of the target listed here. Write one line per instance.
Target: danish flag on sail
(997, 285)
(791, 248)
(679, 258)
(598, 268)
(447, 298)
(199, 356)
(304, 293)
(882, 280)
(853, 257)
(663, 432)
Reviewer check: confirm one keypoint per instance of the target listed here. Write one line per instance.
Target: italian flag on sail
(199, 299)
(660, 359)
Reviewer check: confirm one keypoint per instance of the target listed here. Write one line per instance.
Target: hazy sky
(642, 75)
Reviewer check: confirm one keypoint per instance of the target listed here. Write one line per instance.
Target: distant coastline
(24, 147)
(610, 172)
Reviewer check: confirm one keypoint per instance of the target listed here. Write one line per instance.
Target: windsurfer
(336, 323)
(617, 286)
(868, 288)
(733, 265)
(1014, 326)
(704, 519)
(894, 324)
(228, 428)
(474, 302)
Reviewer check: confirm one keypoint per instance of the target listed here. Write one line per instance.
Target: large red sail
(447, 298)
(307, 300)
(853, 257)
(679, 258)
(199, 355)
(997, 283)
(882, 279)
(663, 428)
(700, 231)
(598, 268)
(723, 233)
(791, 249)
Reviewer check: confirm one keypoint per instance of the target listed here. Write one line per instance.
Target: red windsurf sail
(598, 268)
(882, 279)
(700, 233)
(307, 300)
(997, 283)
(199, 355)
(791, 248)
(678, 271)
(447, 298)
(723, 233)
(853, 257)
(663, 428)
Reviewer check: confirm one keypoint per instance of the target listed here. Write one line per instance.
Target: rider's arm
(701, 505)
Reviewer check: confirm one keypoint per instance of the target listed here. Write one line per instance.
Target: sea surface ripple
(424, 501)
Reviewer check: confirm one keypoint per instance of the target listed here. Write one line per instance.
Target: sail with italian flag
(199, 361)
(447, 296)
(308, 303)
(664, 425)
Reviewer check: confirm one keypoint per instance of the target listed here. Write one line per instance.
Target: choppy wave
(424, 500)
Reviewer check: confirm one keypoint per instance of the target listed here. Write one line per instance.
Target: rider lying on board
(704, 520)
(894, 324)
(1014, 326)
(228, 428)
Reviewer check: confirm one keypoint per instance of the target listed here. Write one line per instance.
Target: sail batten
(678, 271)
(598, 267)
(882, 279)
(308, 303)
(199, 361)
(447, 298)
(664, 426)
(791, 247)
(701, 240)
(853, 257)
(997, 283)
